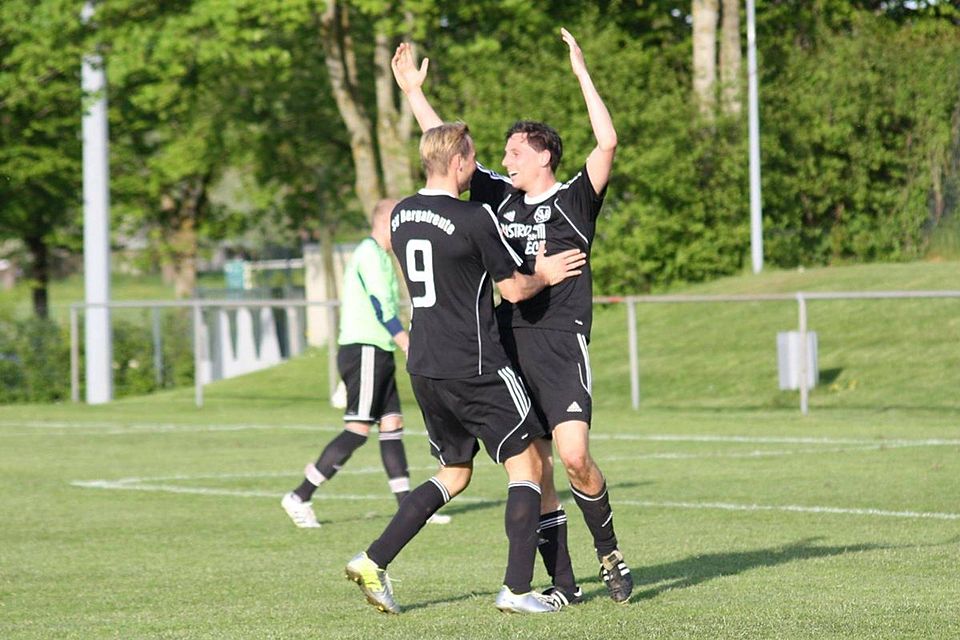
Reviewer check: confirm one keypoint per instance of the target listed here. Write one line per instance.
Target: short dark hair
(541, 137)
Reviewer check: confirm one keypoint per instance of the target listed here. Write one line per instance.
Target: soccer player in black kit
(451, 252)
(547, 335)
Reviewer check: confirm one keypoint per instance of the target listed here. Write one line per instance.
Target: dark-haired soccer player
(451, 252)
(548, 334)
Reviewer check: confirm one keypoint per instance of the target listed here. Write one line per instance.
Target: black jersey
(565, 217)
(451, 251)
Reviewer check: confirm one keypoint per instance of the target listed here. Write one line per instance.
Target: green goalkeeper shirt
(369, 298)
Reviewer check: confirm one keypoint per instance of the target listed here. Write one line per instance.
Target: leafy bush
(134, 371)
(33, 354)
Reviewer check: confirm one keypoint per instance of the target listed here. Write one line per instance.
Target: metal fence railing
(201, 348)
(800, 297)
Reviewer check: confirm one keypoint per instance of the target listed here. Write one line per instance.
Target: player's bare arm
(410, 79)
(600, 160)
(402, 340)
(549, 271)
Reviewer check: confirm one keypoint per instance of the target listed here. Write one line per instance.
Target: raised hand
(405, 70)
(576, 55)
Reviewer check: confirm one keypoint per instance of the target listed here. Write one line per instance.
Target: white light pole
(98, 343)
(756, 221)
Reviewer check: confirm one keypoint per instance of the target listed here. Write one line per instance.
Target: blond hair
(440, 144)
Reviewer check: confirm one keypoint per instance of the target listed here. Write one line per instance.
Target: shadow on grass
(695, 570)
(447, 600)
(829, 376)
(698, 569)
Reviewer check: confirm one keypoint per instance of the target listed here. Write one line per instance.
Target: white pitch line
(759, 453)
(112, 429)
(244, 475)
(932, 442)
(236, 493)
(138, 428)
(726, 506)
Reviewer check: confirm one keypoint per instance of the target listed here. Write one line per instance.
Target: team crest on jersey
(542, 214)
(510, 215)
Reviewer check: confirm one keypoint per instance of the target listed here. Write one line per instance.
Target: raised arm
(600, 160)
(410, 80)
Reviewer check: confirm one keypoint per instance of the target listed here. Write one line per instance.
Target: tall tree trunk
(393, 128)
(39, 276)
(341, 65)
(183, 245)
(181, 242)
(936, 162)
(328, 252)
(730, 57)
(705, 16)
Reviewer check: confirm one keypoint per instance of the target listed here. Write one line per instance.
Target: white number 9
(424, 275)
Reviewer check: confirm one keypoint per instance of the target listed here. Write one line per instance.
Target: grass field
(150, 518)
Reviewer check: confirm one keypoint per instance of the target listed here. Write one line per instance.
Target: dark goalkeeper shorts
(492, 408)
(556, 367)
(368, 373)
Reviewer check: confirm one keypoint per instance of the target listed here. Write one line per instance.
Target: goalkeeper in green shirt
(370, 330)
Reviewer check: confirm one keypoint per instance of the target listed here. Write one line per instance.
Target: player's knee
(359, 428)
(454, 479)
(390, 423)
(456, 486)
(578, 463)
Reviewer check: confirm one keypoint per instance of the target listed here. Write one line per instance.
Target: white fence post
(74, 353)
(199, 347)
(157, 347)
(333, 376)
(634, 358)
(804, 392)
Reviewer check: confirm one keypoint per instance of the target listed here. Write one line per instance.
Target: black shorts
(556, 368)
(493, 408)
(368, 373)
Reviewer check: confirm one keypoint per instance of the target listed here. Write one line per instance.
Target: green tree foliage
(40, 107)
(298, 147)
(226, 123)
(859, 104)
(176, 73)
(859, 121)
(674, 208)
(857, 133)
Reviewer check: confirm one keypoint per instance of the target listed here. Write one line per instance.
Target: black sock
(311, 480)
(331, 459)
(520, 519)
(553, 549)
(336, 454)
(394, 459)
(599, 518)
(305, 490)
(412, 515)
